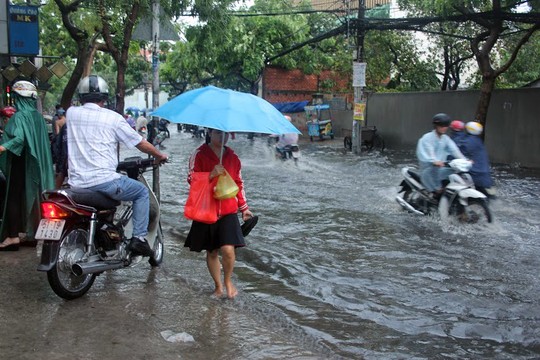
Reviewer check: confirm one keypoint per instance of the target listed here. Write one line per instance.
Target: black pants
(15, 207)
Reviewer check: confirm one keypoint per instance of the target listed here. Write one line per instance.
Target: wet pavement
(334, 269)
(124, 315)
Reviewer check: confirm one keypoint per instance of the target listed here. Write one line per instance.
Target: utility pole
(155, 85)
(359, 79)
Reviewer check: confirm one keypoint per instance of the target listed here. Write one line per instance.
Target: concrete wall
(513, 121)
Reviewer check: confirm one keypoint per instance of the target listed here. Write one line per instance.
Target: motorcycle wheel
(159, 249)
(61, 278)
(476, 212)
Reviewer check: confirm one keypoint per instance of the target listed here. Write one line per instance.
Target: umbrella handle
(222, 147)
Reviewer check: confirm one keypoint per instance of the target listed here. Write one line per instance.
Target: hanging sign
(359, 109)
(23, 30)
(359, 74)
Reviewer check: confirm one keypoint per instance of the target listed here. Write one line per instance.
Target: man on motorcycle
(286, 140)
(432, 151)
(94, 134)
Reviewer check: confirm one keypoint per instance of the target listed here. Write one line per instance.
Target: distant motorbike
(289, 152)
(85, 233)
(459, 198)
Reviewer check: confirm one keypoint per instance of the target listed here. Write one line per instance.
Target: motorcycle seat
(415, 175)
(91, 198)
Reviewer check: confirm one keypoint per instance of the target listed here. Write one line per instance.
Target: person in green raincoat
(25, 160)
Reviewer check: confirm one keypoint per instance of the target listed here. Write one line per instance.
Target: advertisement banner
(23, 30)
(359, 109)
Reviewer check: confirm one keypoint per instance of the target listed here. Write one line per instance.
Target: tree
(234, 52)
(494, 22)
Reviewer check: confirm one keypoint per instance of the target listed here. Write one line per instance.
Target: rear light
(53, 211)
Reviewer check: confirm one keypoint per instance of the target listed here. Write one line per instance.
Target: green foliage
(234, 51)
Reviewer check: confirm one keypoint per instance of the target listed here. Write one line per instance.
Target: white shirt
(431, 148)
(287, 139)
(93, 136)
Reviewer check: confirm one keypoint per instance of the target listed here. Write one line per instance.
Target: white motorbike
(459, 198)
(85, 233)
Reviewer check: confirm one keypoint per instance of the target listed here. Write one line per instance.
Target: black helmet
(93, 89)
(441, 119)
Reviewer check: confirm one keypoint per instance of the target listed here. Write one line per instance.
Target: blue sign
(23, 30)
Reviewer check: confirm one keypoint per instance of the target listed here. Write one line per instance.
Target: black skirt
(209, 237)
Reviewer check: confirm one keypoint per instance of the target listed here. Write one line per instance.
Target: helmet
(93, 89)
(457, 125)
(25, 89)
(7, 111)
(441, 119)
(474, 128)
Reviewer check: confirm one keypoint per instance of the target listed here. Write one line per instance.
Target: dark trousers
(15, 206)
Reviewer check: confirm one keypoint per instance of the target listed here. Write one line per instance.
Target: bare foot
(10, 241)
(231, 291)
(218, 293)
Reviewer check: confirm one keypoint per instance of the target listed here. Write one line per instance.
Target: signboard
(359, 74)
(359, 109)
(23, 30)
(4, 47)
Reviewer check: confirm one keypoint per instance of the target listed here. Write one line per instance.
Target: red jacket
(204, 159)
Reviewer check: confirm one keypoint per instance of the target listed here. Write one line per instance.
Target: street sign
(23, 30)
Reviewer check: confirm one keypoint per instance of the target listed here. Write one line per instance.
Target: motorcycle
(287, 152)
(86, 233)
(459, 198)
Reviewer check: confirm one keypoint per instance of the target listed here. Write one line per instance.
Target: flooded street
(345, 268)
(334, 269)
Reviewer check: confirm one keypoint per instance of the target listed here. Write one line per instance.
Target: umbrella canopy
(226, 110)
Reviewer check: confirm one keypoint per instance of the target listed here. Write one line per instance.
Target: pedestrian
(93, 134)
(59, 150)
(140, 124)
(225, 235)
(432, 151)
(26, 162)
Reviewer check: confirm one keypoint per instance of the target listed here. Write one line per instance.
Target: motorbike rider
(473, 147)
(286, 140)
(94, 133)
(432, 151)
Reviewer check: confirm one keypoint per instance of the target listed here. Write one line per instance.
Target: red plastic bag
(201, 205)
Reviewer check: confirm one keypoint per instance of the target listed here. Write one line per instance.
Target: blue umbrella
(226, 110)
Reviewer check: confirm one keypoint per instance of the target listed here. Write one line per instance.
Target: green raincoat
(26, 131)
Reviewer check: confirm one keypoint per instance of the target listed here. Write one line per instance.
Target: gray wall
(513, 121)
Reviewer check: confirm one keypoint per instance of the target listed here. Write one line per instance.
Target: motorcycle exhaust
(81, 269)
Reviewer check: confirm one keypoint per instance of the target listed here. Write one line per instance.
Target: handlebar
(135, 162)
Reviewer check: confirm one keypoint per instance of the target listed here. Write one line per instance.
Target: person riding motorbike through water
(432, 151)
(473, 148)
(94, 133)
(458, 131)
(286, 140)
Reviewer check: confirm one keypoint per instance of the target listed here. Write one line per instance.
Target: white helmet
(474, 128)
(25, 89)
(93, 89)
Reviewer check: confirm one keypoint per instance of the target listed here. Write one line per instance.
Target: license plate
(50, 229)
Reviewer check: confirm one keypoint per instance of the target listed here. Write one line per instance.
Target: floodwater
(338, 268)
(334, 270)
